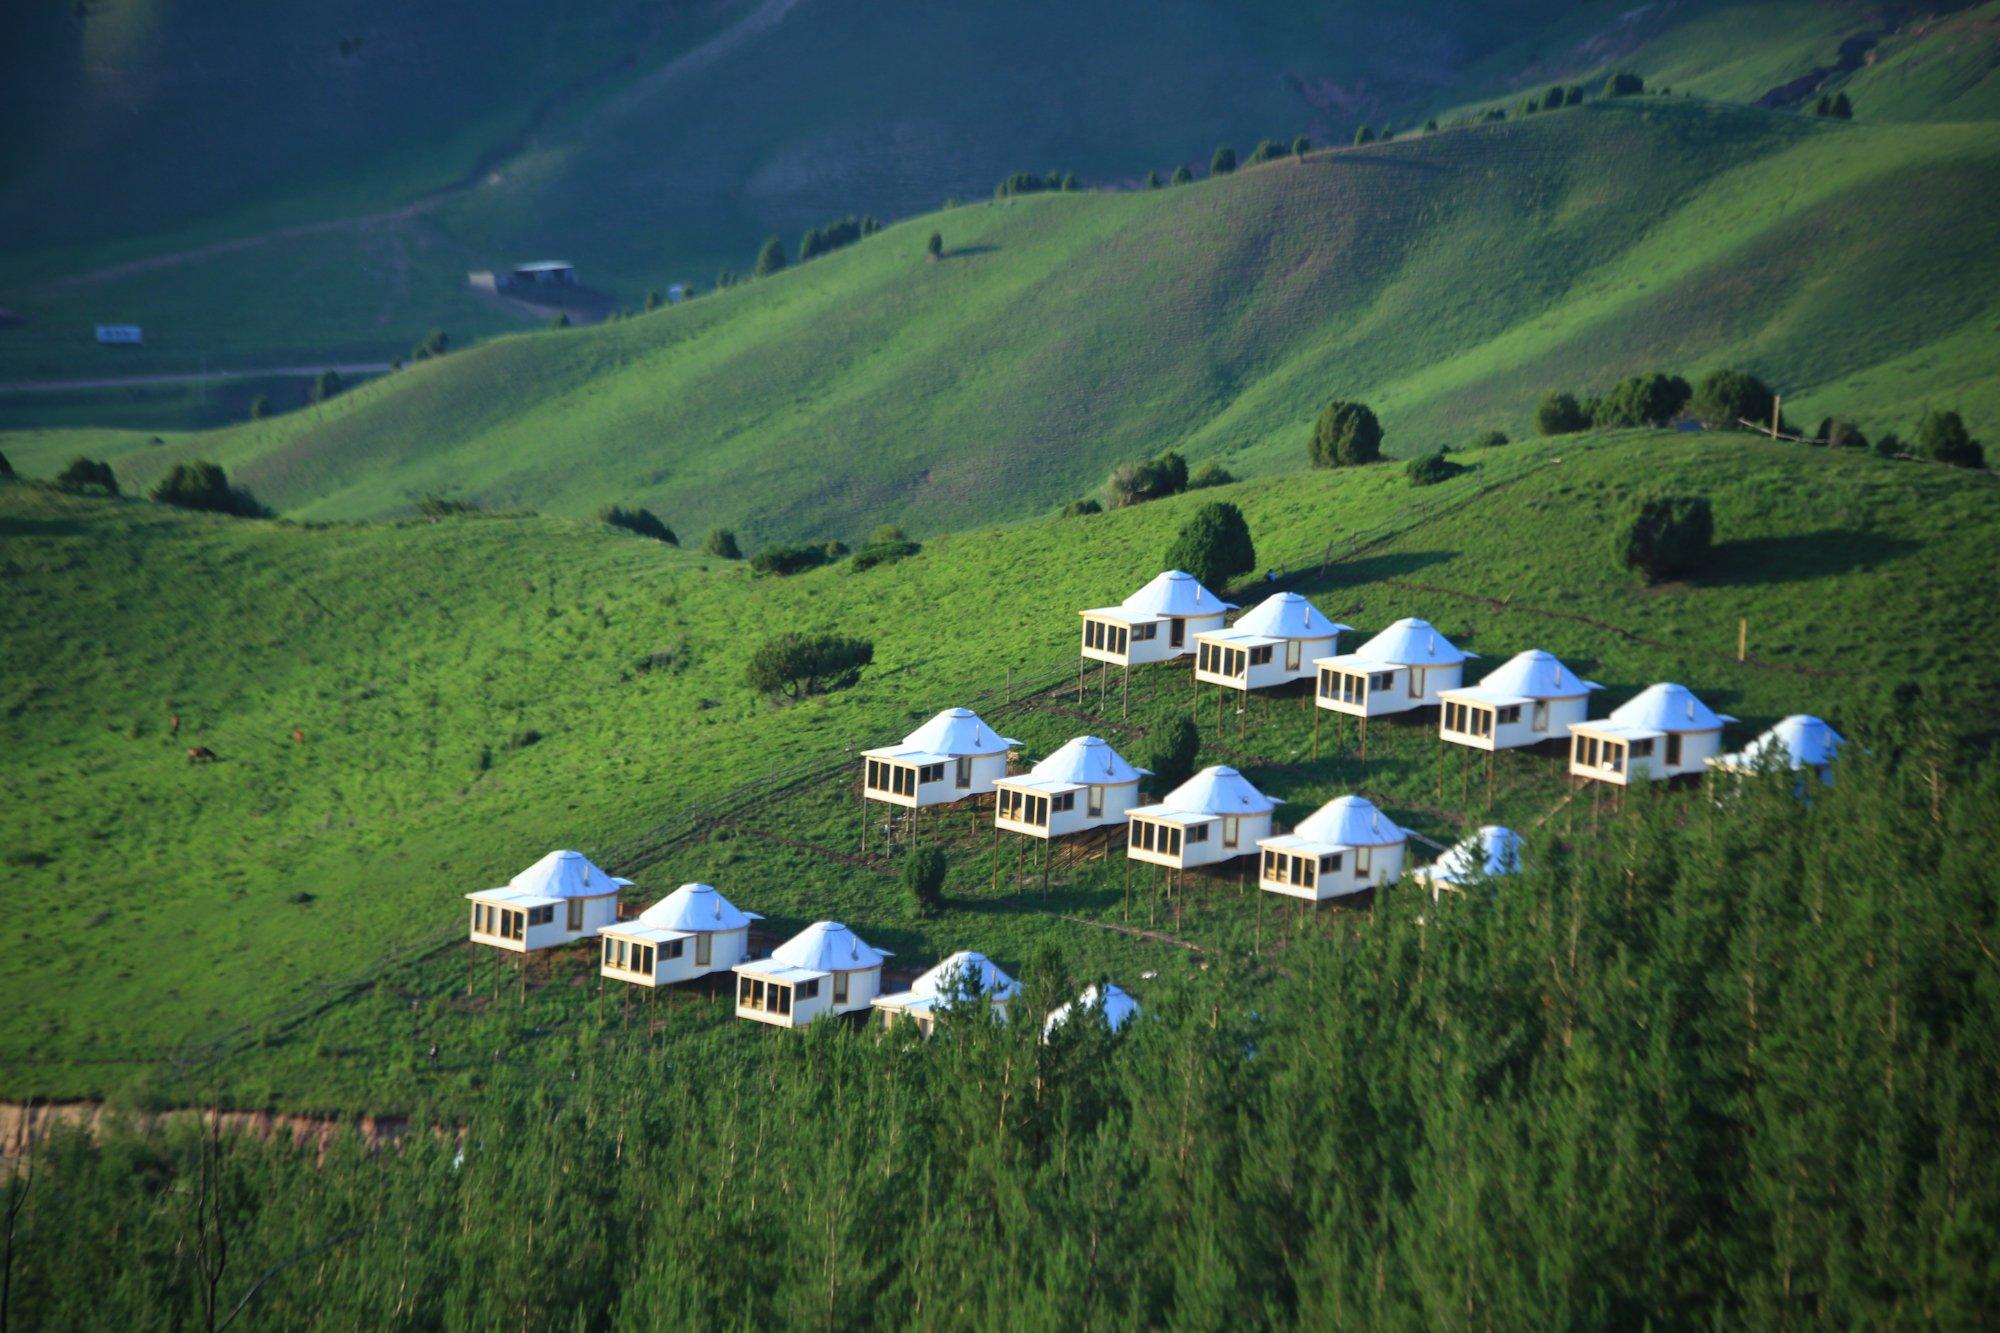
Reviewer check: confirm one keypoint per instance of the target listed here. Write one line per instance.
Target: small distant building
(1108, 1001)
(1274, 643)
(1801, 743)
(962, 979)
(824, 970)
(1343, 847)
(120, 335)
(1530, 698)
(1404, 667)
(1084, 785)
(1488, 854)
(677, 293)
(1214, 816)
(690, 933)
(949, 758)
(560, 898)
(542, 273)
(1663, 733)
(1154, 624)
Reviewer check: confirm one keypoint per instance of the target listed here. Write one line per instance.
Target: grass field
(1449, 280)
(181, 906)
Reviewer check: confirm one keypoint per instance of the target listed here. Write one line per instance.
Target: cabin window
(1118, 639)
(1640, 749)
(839, 988)
(1142, 835)
(644, 959)
(1196, 833)
(1417, 675)
(783, 996)
(743, 985)
(1586, 751)
(574, 917)
(1170, 840)
(1382, 680)
(1093, 634)
(1509, 715)
(1540, 718)
(675, 948)
(930, 773)
(1203, 653)
(1271, 860)
(1260, 656)
(1149, 630)
(808, 990)
(542, 916)
(614, 952)
(1038, 811)
(1292, 647)
(1236, 660)
(1063, 803)
(1614, 756)
(702, 946)
(1230, 826)
(510, 924)
(1177, 637)
(1364, 861)
(1329, 864)
(964, 774)
(1673, 749)
(1094, 806)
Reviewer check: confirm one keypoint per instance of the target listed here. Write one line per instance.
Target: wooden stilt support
(1440, 767)
(1128, 885)
(1048, 851)
(1491, 757)
(996, 856)
(1314, 704)
(1125, 697)
(1103, 684)
(1364, 741)
(1081, 667)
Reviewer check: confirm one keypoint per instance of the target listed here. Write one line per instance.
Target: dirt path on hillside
(196, 377)
(689, 63)
(25, 1123)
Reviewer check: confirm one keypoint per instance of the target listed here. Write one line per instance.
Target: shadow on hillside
(960, 251)
(19, 526)
(1810, 555)
(1356, 573)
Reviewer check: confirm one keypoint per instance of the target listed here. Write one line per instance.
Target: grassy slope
(1448, 280)
(587, 138)
(406, 651)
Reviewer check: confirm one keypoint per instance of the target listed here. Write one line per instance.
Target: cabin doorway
(1177, 634)
(1292, 649)
(701, 949)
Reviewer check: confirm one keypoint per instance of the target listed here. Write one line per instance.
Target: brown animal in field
(298, 735)
(200, 754)
(174, 724)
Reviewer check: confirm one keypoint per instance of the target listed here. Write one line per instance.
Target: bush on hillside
(883, 553)
(1223, 162)
(1642, 400)
(1346, 435)
(796, 558)
(1079, 508)
(1182, 175)
(84, 474)
(1214, 545)
(560, 321)
(1727, 398)
(887, 532)
(653, 300)
(642, 521)
(1838, 434)
(1942, 437)
(325, 385)
(260, 407)
(1575, 97)
(1209, 474)
(770, 259)
(1666, 535)
(1267, 150)
(1301, 146)
(836, 234)
(6, 468)
(1027, 182)
(923, 879)
(1488, 439)
(1560, 414)
(1889, 445)
(934, 247)
(434, 506)
(1624, 85)
(1153, 181)
(721, 542)
(204, 485)
(1430, 469)
(1364, 135)
(800, 665)
(1173, 757)
(1162, 475)
(436, 343)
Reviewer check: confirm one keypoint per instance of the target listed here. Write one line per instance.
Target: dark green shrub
(435, 343)
(1728, 398)
(1158, 477)
(1363, 135)
(770, 259)
(1642, 400)
(6, 468)
(1575, 97)
(1624, 85)
(653, 299)
(1223, 162)
(883, 553)
(1182, 175)
(325, 385)
(1666, 535)
(935, 246)
(85, 474)
(437, 506)
(799, 665)
(1153, 181)
(1214, 545)
(887, 532)
(1209, 474)
(1942, 437)
(203, 485)
(1346, 435)
(721, 542)
(1489, 439)
(1301, 146)
(1267, 150)
(1889, 445)
(260, 407)
(1838, 434)
(1079, 508)
(1842, 108)
(1173, 756)
(923, 879)
(796, 558)
(1430, 469)
(642, 521)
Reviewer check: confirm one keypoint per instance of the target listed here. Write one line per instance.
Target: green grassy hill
(1448, 280)
(474, 692)
(321, 189)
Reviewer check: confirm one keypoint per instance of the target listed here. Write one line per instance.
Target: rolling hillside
(1449, 280)
(475, 691)
(314, 186)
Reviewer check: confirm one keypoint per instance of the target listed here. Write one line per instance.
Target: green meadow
(475, 691)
